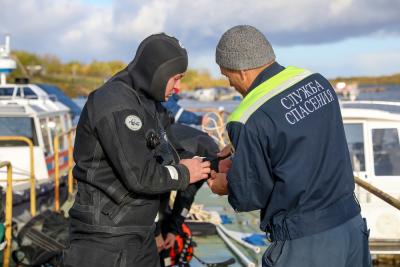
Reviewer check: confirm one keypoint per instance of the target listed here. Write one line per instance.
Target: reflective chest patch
(164, 135)
(133, 122)
(172, 172)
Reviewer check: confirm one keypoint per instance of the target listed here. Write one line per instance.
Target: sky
(336, 37)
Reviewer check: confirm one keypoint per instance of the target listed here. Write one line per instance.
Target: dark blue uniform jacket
(291, 160)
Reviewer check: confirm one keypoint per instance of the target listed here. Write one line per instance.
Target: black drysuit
(124, 161)
(189, 142)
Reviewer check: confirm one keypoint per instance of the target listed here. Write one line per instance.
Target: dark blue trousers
(343, 246)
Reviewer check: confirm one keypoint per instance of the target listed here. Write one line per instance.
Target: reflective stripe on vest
(265, 91)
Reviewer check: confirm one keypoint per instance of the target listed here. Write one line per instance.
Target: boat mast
(7, 64)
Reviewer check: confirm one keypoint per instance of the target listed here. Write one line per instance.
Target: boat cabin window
(28, 93)
(50, 127)
(355, 142)
(17, 126)
(59, 129)
(45, 134)
(386, 148)
(6, 91)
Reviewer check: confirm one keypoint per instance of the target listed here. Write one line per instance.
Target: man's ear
(243, 76)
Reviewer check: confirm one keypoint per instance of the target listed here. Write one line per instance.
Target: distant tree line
(375, 80)
(77, 78)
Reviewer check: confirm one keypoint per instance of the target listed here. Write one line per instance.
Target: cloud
(140, 21)
(69, 29)
(287, 23)
(78, 29)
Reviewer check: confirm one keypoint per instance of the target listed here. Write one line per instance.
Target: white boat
(372, 132)
(205, 94)
(27, 110)
(348, 91)
(215, 94)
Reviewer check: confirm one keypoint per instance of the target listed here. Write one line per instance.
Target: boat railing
(31, 178)
(53, 98)
(8, 218)
(388, 106)
(372, 102)
(70, 134)
(382, 246)
(378, 193)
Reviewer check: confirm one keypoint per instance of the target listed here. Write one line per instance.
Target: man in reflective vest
(290, 158)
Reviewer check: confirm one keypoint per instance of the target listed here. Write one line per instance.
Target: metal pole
(232, 235)
(242, 257)
(70, 164)
(32, 167)
(3, 79)
(8, 219)
(377, 192)
(56, 176)
(32, 179)
(7, 45)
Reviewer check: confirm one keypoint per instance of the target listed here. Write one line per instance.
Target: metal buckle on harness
(269, 237)
(269, 233)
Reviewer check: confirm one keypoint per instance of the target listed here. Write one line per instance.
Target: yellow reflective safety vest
(265, 91)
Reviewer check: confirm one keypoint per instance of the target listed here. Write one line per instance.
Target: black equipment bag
(42, 240)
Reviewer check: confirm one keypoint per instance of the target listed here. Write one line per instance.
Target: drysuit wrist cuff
(199, 120)
(184, 176)
(157, 230)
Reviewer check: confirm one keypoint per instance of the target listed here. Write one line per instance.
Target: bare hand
(205, 121)
(224, 165)
(198, 168)
(226, 151)
(169, 241)
(159, 243)
(218, 183)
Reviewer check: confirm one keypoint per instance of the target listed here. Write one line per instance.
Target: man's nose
(178, 84)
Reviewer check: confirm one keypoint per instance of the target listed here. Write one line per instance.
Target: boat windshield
(386, 148)
(7, 92)
(17, 126)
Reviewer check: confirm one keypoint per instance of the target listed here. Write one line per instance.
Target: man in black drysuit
(124, 160)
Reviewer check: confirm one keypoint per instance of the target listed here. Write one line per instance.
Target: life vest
(182, 251)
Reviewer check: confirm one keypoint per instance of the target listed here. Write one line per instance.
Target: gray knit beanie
(243, 47)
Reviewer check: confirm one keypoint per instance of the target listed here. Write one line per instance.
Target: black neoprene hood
(158, 58)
